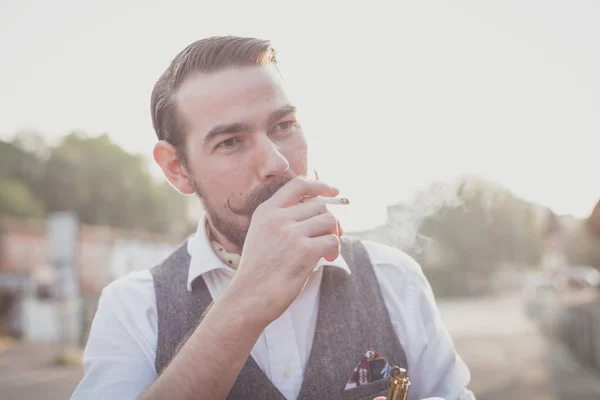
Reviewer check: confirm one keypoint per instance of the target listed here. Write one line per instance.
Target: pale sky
(393, 94)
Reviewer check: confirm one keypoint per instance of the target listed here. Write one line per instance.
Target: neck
(221, 239)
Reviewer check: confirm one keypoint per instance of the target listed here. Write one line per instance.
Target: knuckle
(287, 233)
(330, 219)
(318, 206)
(333, 240)
(288, 229)
(322, 207)
(332, 243)
(305, 247)
(298, 181)
(275, 222)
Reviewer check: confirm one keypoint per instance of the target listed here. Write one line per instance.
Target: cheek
(229, 183)
(296, 154)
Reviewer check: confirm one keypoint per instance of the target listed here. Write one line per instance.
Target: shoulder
(136, 289)
(135, 280)
(122, 339)
(406, 293)
(127, 309)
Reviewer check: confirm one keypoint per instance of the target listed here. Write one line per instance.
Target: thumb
(379, 398)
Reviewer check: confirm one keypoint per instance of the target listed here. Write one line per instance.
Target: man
(266, 300)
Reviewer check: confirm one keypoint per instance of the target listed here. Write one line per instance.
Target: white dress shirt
(119, 357)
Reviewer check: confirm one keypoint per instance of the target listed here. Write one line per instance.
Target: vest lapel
(252, 383)
(334, 352)
(251, 379)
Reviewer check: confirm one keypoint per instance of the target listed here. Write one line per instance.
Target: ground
(508, 357)
(28, 371)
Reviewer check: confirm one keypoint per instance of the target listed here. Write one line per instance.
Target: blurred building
(594, 220)
(554, 235)
(583, 243)
(28, 282)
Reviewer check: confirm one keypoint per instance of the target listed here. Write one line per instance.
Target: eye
(228, 143)
(285, 126)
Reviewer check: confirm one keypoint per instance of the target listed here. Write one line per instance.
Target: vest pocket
(366, 392)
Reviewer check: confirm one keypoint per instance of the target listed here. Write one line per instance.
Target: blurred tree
(31, 142)
(19, 157)
(93, 176)
(22, 169)
(489, 228)
(16, 199)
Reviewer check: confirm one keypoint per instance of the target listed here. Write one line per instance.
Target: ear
(165, 156)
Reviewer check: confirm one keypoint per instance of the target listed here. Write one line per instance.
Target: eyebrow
(281, 112)
(238, 127)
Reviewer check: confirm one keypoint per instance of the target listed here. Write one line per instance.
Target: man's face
(243, 143)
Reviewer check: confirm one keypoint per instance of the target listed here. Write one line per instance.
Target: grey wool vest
(352, 318)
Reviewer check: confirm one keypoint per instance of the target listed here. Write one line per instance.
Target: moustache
(258, 196)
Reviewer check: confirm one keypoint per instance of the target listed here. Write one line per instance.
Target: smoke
(405, 220)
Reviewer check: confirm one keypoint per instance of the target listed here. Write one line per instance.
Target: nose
(271, 163)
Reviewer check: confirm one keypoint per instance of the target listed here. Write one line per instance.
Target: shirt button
(287, 372)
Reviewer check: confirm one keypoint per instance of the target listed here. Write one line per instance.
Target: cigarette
(334, 200)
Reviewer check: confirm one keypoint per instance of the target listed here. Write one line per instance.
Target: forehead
(244, 94)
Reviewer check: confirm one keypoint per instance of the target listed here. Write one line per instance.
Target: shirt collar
(203, 258)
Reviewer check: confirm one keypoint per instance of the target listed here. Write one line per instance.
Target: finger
(306, 209)
(340, 230)
(322, 224)
(326, 246)
(295, 190)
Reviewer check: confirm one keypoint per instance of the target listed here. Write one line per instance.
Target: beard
(233, 220)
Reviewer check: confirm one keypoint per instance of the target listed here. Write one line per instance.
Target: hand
(285, 240)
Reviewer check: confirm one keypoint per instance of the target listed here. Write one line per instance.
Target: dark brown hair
(207, 55)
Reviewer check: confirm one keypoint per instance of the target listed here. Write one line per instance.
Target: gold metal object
(393, 382)
(398, 384)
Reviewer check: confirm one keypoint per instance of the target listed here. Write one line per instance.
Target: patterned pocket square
(372, 368)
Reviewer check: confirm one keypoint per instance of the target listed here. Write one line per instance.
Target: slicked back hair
(203, 56)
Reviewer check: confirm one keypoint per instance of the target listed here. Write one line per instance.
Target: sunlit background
(464, 132)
